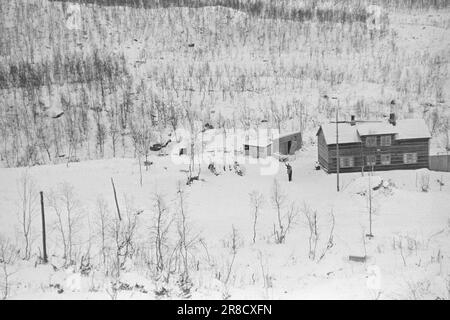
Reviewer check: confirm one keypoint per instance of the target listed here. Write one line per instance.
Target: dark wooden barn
(287, 143)
(386, 145)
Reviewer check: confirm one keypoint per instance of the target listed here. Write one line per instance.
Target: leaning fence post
(115, 199)
(44, 244)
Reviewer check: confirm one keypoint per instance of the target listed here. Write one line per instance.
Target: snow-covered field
(408, 257)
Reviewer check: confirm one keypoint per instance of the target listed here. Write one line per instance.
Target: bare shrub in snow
(330, 242)
(191, 116)
(142, 132)
(67, 209)
(28, 204)
(447, 285)
(233, 243)
(419, 290)
(159, 230)
(234, 249)
(256, 200)
(123, 233)
(173, 118)
(311, 216)
(187, 241)
(114, 125)
(8, 255)
(267, 278)
(285, 217)
(102, 224)
(315, 232)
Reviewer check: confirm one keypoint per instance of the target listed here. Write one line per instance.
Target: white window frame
(371, 138)
(384, 162)
(346, 162)
(371, 162)
(410, 158)
(386, 141)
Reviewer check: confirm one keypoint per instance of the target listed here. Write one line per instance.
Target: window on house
(346, 162)
(385, 159)
(385, 140)
(371, 160)
(410, 158)
(371, 141)
(246, 147)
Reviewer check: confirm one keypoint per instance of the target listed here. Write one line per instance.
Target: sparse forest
(215, 58)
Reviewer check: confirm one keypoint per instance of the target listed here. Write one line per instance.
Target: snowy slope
(402, 215)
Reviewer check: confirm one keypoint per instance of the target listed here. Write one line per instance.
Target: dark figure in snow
(289, 171)
(237, 169)
(212, 168)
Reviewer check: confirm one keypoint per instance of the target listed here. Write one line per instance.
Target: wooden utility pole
(44, 240)
(337, 137)
(370, 204)
(337, 144)
(370, 235)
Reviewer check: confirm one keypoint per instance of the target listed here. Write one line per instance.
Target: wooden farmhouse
(385, 145)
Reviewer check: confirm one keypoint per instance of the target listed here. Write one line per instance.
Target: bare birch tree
(8, 255)
(103, 221)
(256, 200)
(28, 205)
(67, 209)
(286, 218)
(160, 230)
(187, 240)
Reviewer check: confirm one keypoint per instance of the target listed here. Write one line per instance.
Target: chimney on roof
(392, 119)
(352, 120)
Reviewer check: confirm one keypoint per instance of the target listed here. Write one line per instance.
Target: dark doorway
(289, 147)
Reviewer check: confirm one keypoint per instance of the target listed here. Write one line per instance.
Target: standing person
(289, 171)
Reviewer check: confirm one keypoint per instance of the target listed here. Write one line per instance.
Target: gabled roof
(288, 134)
(404, 129)
(347, 133)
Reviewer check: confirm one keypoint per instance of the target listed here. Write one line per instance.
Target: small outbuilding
(284, 144)
(260, 147)
(287, 143)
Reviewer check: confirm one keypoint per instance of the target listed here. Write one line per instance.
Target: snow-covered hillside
(221, 63)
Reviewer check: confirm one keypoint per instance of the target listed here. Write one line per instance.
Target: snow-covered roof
(261, 141)
(287, 134)
(404, 129)
(347, 133)
(412, 129)
(373, 128)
